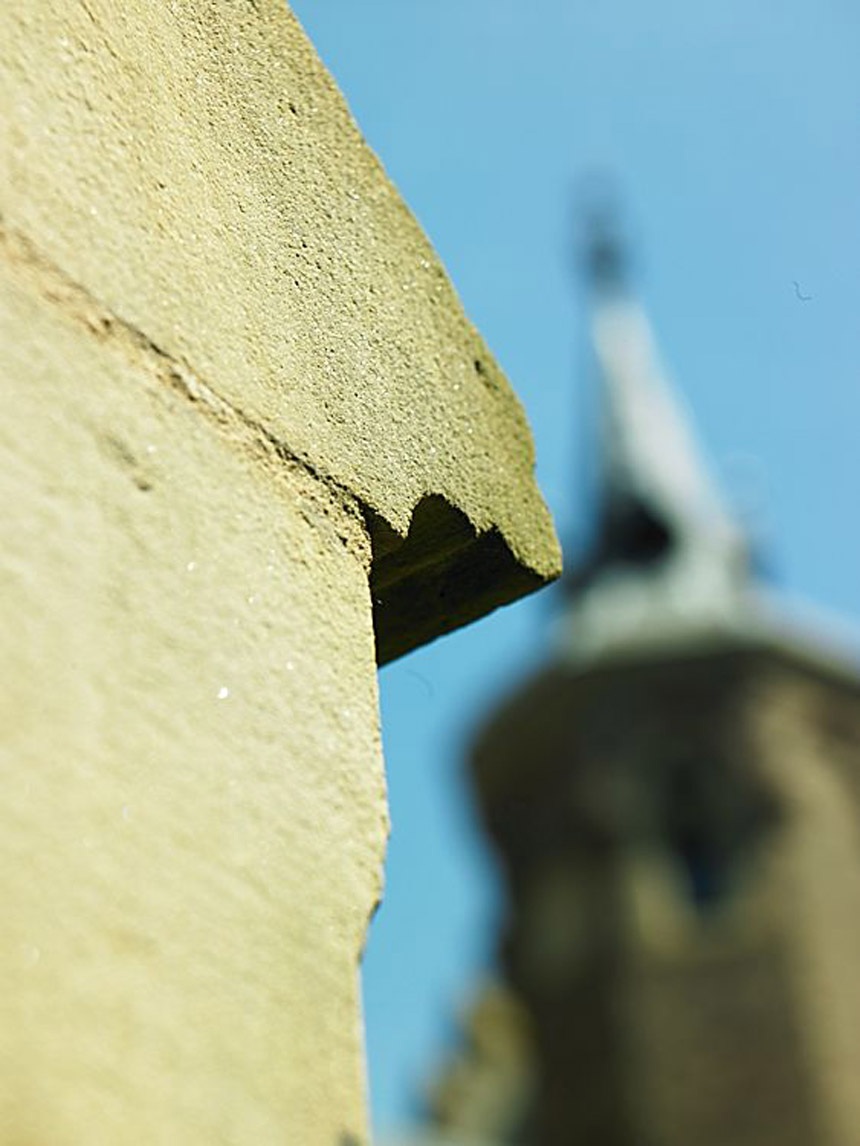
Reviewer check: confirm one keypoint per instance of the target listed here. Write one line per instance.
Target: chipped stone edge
(425, 581)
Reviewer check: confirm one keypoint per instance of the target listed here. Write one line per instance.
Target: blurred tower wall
(679, 841)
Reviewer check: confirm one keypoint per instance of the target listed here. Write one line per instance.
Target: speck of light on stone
(223, 692)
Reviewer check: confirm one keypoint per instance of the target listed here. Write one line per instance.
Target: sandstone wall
(250, 448)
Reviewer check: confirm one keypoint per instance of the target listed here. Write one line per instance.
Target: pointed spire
(668, 557)
(650, 456)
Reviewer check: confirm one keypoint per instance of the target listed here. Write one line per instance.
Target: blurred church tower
(674, 800)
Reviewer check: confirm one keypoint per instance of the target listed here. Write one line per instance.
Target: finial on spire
(606, 261)
(603, 254)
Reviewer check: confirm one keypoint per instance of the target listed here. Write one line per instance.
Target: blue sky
(733, 130)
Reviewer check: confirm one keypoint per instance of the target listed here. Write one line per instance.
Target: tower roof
(669, 567)
(668, 560)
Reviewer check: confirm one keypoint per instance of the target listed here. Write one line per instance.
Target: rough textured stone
(251, 447)
(194, 808)
(194, 168)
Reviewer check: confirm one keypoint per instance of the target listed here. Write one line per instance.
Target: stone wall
(239, 394)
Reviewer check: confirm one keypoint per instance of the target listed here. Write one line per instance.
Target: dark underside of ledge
(440, 576)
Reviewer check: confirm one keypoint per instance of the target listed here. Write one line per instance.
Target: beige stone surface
(194, 167)
(250, 448)
(192, 787)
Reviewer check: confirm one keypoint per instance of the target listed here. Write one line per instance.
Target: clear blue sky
(734, 131)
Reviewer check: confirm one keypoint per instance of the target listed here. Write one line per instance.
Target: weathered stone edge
(443, 574)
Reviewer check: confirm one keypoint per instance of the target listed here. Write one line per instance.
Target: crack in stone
(78, 305)
(442, 573)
